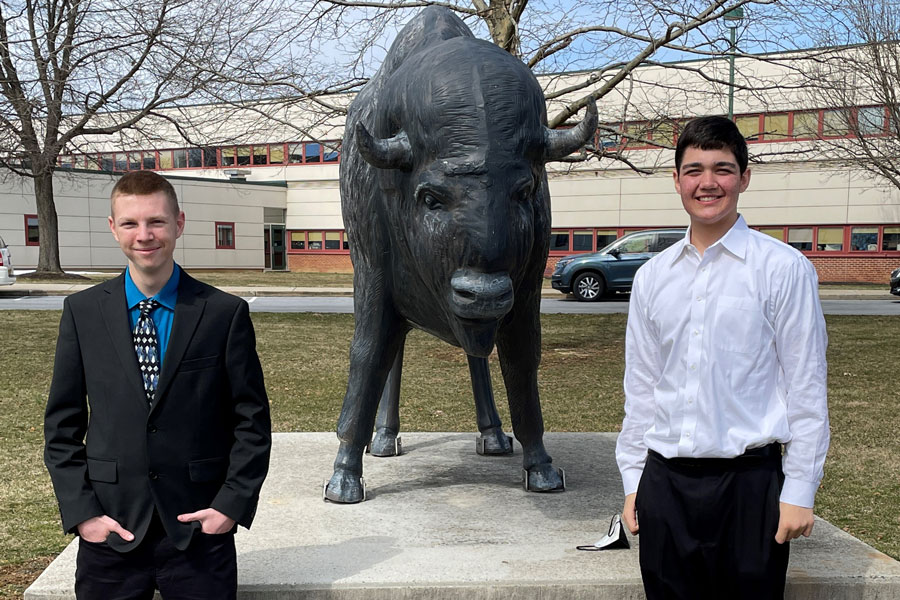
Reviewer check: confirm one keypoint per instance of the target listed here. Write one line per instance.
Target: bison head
(461, 142)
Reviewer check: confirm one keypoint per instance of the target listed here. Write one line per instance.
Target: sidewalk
(64, 289)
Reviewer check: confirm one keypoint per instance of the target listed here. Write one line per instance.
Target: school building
(269, 199)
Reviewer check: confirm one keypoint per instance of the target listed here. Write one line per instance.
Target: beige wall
(82, 204)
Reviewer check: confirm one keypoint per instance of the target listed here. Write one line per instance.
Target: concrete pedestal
(441, 522)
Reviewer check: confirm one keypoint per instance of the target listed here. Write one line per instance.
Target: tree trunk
(48, 227)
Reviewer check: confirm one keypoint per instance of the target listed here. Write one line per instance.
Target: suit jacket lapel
(188, 310)
(114, 312)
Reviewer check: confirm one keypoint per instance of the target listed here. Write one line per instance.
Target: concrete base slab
(443, 522)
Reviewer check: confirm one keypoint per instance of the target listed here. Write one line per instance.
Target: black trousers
(206, 570)
(707, 527)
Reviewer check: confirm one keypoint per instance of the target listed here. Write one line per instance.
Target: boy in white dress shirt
(726, 421)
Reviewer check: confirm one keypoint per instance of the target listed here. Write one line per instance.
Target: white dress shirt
(725, 352)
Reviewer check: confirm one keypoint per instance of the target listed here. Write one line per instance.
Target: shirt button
(693, 366)
(688, 434)
(696, 333)
(154, 476)
(690, 400)
(151, 428)
(699, 298)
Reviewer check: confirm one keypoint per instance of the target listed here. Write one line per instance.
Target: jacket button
(151, 428)
(154, 475)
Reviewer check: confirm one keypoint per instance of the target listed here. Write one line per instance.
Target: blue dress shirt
(162, 315)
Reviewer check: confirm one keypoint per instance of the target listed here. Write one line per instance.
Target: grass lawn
(305, 362)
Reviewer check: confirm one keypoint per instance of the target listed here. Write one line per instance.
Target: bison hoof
(544, 478)
(385, 443)
(493, 442)
(345, 488)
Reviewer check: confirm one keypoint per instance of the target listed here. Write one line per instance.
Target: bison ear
(559, 143)
(391, 153)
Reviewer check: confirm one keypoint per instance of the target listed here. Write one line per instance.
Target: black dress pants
(707, 527)
(206, 570)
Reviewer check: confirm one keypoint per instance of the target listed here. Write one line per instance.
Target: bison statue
(445, 201)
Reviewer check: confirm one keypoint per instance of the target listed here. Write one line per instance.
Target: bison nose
(480, 295)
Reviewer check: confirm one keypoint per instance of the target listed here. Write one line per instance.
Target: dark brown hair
(712, 133)
(143, 183)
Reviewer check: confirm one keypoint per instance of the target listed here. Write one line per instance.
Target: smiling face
(146, 227)
(710, 182)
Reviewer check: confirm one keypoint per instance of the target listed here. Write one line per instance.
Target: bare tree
(860, 83)
(72, 70)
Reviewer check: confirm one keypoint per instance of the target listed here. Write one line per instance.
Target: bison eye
(431, 201)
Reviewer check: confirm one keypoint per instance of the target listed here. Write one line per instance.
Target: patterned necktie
(146, 346)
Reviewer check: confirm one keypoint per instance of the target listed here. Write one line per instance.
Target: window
(32, 234)
(775, 127)
(835, 123)
(224, 235)
(637, 244)
(800, 237)
(295, 153)
(312, 152)
(830, 239)
(66, 162)
(149, 160)
(243, 156)
(298, 240)
(559, 240)
(748, 126)
(228, 155)
(775, 232)
(891, 239)
(134, 161)
(864, 239)
(165, 159)
(106, 162)
(276, 154)
(179, 159)
(315, 240)
(605, 237)
(195, 157)
(664, 240)
(260, 155)
(870, 120)
(121, 162)
(582, 240)
(330, 154)
(332, 240)
(806, 124)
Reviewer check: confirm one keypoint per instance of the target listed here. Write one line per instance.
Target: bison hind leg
(345, 487)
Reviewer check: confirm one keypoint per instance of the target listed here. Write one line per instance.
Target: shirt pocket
(738, 325)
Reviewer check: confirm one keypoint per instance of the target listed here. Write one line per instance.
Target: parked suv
(6, 268)
(895, 282)
(590, 276)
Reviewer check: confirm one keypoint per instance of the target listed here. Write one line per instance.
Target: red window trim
(27, 241)
(845, 250)
(233, 235)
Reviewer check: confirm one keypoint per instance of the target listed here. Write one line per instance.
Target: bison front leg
(493, 441)
(376, 341)
(519, 348)
(387, 421)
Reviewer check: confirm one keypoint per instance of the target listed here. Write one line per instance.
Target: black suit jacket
(205, 441)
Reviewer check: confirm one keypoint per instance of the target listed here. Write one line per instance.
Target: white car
(6, 268)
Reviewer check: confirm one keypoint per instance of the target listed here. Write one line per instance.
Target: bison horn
(559, 143)
(391, 153)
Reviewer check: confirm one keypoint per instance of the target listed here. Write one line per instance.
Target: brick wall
(852, 269)
(837, 269)
(320, 263)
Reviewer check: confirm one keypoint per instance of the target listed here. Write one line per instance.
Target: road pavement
(549, 305)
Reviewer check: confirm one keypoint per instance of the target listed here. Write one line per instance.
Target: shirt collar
(735, 241)
(167, 296)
